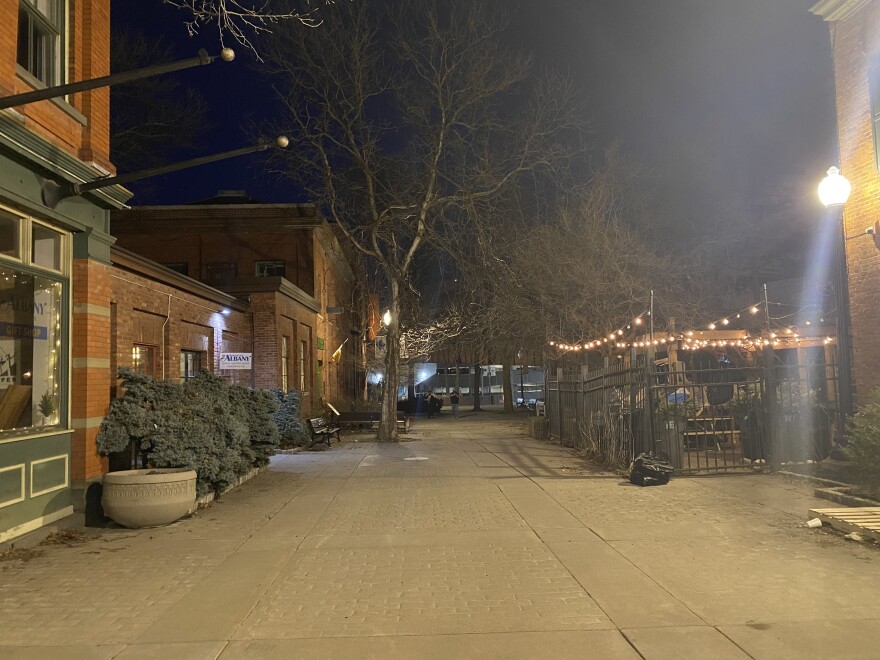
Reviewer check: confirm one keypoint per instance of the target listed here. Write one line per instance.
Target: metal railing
(704, 420)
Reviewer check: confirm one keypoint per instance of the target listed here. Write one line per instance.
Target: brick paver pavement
(467, 540)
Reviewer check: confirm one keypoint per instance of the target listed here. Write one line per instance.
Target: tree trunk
(477, 386)
(388, 423)
(508, 389)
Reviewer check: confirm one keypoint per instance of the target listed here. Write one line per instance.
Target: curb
(205, 500)
(834, 491)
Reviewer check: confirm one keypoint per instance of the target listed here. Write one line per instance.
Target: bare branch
(243, 20)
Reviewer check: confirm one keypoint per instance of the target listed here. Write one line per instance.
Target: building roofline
(138, 265)
(186, 207)
(23, 144)
(245, 286)
(837, 10)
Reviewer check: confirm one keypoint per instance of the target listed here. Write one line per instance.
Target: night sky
(731, 95)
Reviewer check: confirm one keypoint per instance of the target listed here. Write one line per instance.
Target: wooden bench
(322, 431)
(370, 418)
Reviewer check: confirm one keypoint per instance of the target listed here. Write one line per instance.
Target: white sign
(381, 346)
(236, 360)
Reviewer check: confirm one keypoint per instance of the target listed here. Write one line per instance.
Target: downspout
(167, 318)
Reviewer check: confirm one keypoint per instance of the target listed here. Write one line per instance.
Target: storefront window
(10, 227)
(31, 317)
(46, 247)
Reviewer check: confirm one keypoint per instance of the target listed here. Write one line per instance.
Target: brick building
(54, 260)
(855, 37)
(285, 262)
(74, 307)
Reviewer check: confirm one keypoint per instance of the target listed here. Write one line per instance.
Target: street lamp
(386, 317)
(834, 191)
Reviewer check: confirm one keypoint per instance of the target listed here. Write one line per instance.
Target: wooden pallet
(862, 519)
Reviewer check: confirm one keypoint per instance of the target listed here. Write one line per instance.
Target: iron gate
(705, 420)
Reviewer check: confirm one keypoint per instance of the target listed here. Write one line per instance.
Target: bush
(863, 448)
(218, 430)
(291, 429)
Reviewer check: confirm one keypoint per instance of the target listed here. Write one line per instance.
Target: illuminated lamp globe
(834, 189)
(386, 318)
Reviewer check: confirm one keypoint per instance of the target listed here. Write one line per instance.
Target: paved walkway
(469, 541)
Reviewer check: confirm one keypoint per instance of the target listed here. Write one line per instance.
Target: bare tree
(575, 276)
(402, 117)
(243, 19)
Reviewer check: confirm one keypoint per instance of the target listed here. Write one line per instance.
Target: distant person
(433, 403)
(453, 399)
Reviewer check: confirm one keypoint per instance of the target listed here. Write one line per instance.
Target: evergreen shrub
(219, 430)
(863, 447)
(291, 429)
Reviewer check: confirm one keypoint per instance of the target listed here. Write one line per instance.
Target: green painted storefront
(37, 248)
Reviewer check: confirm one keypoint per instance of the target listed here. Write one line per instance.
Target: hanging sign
(236, 360)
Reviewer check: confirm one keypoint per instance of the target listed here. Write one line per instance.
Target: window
(181, 267)
(31, 316)
(269, 268)
(221, 272)
(143, 359)
(41, 39)
(33, 323)
(46, 247)
(874, 90)
(302, 365)
(190, 364)
(284, 359)
(10, 227)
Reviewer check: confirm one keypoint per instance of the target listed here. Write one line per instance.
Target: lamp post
(834, 191)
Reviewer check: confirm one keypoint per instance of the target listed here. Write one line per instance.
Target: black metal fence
(705, 420)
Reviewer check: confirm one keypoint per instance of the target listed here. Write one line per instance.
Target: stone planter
(146, 498)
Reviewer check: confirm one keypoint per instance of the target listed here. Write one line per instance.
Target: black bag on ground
(650, 470)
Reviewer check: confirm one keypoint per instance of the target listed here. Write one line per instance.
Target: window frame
(303, 364)
(271, 263)
(62, 332)
(59, 38)
(153, 370)
(202, 361)
(285, 367)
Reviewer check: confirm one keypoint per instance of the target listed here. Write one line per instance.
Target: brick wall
(151, 313)
(243, 234)
(90, 369)
(88, 56)
(855, 40)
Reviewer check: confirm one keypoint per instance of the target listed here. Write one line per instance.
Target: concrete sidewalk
(470, 541)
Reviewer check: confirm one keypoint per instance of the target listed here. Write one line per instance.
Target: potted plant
(186, 440)
(46, 407)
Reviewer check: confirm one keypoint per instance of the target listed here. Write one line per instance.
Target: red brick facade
(310, 310)
(81, 125)
(90, 369)
(856, 41)
(156, 309)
